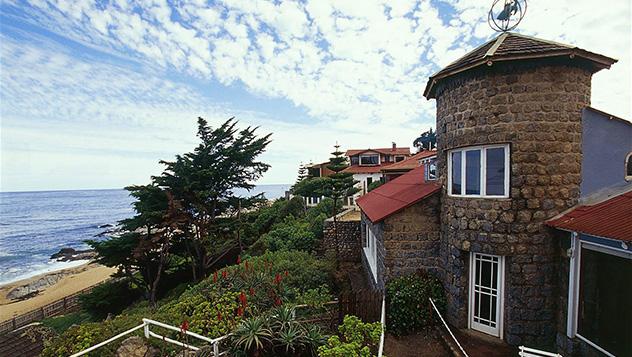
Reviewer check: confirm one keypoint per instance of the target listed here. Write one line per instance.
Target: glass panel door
(486, 285)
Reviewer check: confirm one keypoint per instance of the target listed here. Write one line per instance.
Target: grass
(61, 323)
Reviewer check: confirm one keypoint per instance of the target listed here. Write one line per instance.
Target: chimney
(394, 147)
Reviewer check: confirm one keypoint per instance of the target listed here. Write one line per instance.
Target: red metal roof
(411, 162)
(396, 195)
(385, 151)
(607, 219)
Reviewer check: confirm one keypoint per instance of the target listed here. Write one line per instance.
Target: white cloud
(357, 68)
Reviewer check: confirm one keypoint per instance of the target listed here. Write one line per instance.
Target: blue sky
(93, 94)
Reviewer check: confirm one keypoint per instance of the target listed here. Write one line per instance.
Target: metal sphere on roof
(505, 15)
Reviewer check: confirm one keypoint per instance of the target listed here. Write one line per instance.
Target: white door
(486, 293)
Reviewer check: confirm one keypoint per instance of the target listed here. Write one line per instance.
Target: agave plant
(253, 334)
(313, 338)
(281, 317)
(290, 339)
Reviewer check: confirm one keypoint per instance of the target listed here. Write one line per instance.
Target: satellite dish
(505, 15)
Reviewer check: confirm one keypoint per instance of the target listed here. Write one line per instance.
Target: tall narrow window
(479, 171)
(473, 172)
(456, 173)
(495, 171)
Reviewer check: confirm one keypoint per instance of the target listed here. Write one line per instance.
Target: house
(520, 156)
(366, 164)
(319, 170)
(397, 169)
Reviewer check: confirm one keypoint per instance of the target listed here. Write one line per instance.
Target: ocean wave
(16, 273)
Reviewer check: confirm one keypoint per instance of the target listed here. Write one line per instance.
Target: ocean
(35, 225)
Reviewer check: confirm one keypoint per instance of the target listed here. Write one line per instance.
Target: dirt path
(426, 344)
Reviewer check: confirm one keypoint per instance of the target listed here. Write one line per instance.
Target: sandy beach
(75, 279)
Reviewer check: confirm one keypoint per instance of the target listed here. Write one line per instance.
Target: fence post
(43, 312)
(14, 326)
(146, 328)
(215, 349)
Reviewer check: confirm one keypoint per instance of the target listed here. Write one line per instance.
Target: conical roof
(511, 46)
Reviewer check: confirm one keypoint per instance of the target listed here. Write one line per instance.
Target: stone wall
(536, 108)
(406, 242)
(348, 239)
(411, 239)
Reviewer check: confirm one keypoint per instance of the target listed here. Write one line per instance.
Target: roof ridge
(499, 41)
(543, 40)
(466, 54)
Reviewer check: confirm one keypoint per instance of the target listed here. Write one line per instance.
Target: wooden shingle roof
(511, 46)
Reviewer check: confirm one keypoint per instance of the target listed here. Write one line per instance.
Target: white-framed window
(628, 167)
(479, 171)
(599, 310)
(487, 285)
(370, 251)
(370, 159)
(430, 169)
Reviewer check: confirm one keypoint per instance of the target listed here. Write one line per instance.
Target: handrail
(532, 352)
(145, 326)
(446, 326)
(90, 349)
(380, 349)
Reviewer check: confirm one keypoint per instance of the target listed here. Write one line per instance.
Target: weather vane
(505, 15)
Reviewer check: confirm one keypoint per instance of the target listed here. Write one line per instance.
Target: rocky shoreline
(71, 254)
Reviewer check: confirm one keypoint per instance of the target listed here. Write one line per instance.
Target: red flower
(243, 299)
(224, 274)
(184, 327)
(215, 277)
(286, 273)
(239, 259)
(219, 316)
(278, 301)
(277, 279)
(252, 292)
(240, 311)
(246, 264)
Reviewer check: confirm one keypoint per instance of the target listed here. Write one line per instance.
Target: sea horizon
(36, 224)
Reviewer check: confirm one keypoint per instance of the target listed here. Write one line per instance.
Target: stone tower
(509, 157)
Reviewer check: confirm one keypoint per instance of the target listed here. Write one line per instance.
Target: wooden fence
(365, 304)
(69, 303)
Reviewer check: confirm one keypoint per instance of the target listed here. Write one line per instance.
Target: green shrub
(408, 306)
(356, 339)
(109, 298)
(373, 185)
(212, 314)
(291, 234)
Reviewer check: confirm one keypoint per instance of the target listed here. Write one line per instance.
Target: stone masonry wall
(536, 108)
(348, 239)
(411, 239)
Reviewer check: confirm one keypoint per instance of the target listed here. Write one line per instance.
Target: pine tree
(302, 173)
(339, 186)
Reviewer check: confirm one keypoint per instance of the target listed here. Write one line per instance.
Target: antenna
(505, 15)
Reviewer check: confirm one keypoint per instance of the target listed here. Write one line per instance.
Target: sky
(94, 94)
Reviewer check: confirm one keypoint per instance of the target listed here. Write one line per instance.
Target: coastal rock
(70, 254)
(31, 289)
(136, 346)
(105, 225)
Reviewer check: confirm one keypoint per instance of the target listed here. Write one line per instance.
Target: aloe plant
(253, 334)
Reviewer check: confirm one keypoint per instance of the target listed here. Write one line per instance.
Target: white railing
(532, 352)
(447, 328)
(214, 342)
(380, 349)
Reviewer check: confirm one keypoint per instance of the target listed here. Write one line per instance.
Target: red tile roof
(511, 46)
(385, 151)
(396, 195)
(411, 162)
(360, 169)
(607, 219)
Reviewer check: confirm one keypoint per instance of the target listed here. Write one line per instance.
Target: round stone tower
(509, 158)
